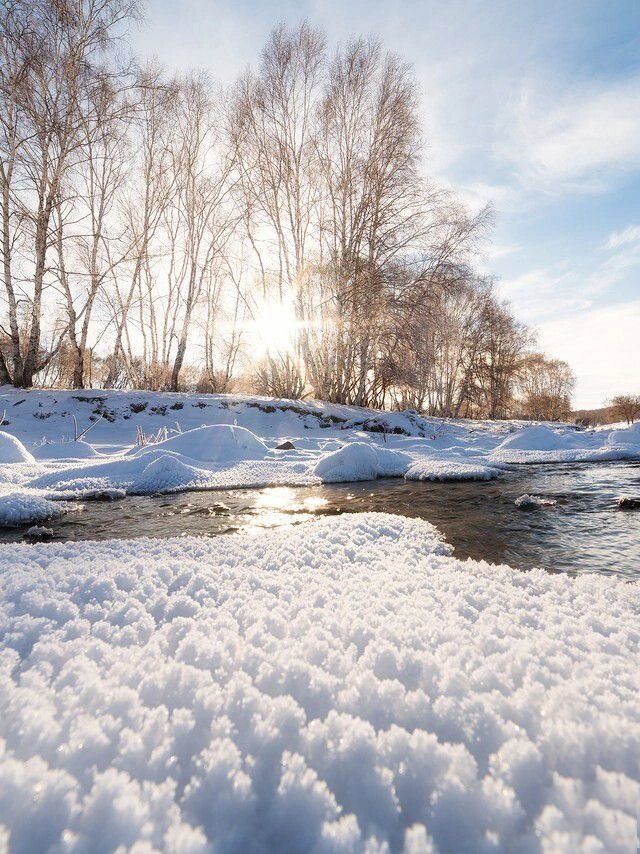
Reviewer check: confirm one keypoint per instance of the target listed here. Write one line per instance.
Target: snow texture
(24, 508)
(342, 685)
(78, 450)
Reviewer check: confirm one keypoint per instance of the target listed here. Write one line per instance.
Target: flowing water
(584, 531)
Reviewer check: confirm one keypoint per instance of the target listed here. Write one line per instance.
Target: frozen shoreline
(189, 691)
(227, 442)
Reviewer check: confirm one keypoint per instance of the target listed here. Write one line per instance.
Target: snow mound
(353, 461)
(12, 450)
(64, 451)
(344, 685)
(22, 508)
(434, 468)
(218, 443)
(164, 474)
(361, 461)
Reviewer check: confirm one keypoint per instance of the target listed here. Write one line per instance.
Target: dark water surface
(583, 532)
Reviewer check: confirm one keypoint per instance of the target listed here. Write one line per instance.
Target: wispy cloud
(624, 237)
(581, 140)
(543, 293)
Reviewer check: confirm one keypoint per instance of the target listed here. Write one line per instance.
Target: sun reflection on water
(275, 505)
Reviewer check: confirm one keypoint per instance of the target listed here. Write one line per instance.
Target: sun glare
(275, 328)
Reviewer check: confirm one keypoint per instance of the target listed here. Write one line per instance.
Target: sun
(275, 328)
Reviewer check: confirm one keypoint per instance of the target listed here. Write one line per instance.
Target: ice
(341, 685)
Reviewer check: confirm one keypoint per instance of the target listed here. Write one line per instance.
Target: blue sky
(531, 105)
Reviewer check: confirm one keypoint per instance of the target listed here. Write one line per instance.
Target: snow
(231, 442)
(451, 469)
(23, 508)
(164, 474)
(218, 443)
(358, 461)
(78, 450)
(12, 450)
(341, 685)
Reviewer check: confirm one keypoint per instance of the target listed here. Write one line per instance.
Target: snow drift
(341, 684)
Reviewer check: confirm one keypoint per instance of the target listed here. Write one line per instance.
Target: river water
(583, 532)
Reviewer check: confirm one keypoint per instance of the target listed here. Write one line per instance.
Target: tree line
(151, 223)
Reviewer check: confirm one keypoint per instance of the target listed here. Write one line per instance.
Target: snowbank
(12, 450)
(230, 442)
(356, 461)
(22, 508)
(629, 436)
(339, 684)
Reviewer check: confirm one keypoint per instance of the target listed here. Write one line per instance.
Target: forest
(279, 236)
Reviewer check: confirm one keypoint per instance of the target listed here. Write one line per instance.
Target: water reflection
(583, 532)
(276, 505)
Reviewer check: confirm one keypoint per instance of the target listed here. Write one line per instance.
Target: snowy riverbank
(218, 441)
(317, 688)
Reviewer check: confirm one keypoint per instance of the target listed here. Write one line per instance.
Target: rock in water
(628, 503)
(38, 534)
(533, 502)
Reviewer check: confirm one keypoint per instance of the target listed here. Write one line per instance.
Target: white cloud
(576, 141)
(603, 348)
(622, 238)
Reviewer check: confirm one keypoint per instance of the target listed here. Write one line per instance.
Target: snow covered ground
(343, 685)
(218, 441)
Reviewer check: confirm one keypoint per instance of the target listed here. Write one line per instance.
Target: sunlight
(275, 328)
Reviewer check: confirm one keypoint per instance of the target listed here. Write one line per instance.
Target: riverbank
(145, 443)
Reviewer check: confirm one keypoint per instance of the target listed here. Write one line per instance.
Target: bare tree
(626, 406)
(53, 53)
